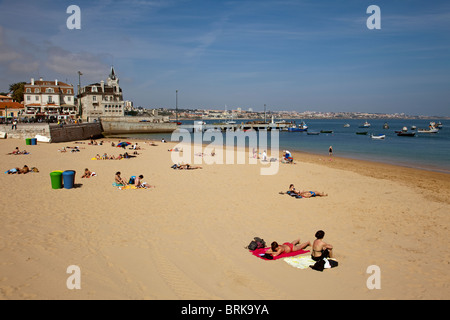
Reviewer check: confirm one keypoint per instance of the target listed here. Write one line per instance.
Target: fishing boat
(405, 134)
(362, 132)
(300, 128)
(431, 129)
(294, 128)
(378, 137)
(326, 131)
(365, 125)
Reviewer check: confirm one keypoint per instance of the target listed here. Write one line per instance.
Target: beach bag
(256, 243)
(132, 180)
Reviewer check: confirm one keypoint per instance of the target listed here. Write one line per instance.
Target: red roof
(11, 105)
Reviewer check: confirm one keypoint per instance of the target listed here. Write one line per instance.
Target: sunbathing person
(306, 194)
(87, 173)
(16, 151)
(189, 167)
(287, 247)
(118, 179)
(24, 170)
(320, 249)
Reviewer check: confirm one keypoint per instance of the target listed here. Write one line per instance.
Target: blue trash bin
(68, 179)
(33, 141)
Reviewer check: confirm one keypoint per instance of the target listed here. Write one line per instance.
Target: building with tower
(102, 99)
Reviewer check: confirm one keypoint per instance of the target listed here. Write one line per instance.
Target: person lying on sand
(305, 194)
(320, 249)
(87, 173)
(24, 170)
(185, 167)
(287, 247)
(17, 151)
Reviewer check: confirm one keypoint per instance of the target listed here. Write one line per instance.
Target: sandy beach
(185, 239)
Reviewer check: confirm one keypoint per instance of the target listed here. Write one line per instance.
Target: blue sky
(287, 54)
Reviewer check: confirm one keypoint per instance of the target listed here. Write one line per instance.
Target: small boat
(365, 125)
(413, 127)
(378, 137)
(385, 126)
(346, 125)
(326, 131)
(303, 126)
(431, 130)
(362, 132)
(313, 133)
(439, 125)
(405, 134)
(296, 129)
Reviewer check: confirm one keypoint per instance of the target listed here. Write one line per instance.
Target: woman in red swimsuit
(287, 247)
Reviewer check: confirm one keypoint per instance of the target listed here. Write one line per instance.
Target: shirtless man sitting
(320, 249)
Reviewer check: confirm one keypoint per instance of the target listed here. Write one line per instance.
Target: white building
(102, 99)
(45, 99)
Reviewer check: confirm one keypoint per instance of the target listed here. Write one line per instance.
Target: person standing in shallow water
(330, 151)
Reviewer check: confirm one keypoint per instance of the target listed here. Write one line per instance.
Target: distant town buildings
(102, 99)
(47, 99)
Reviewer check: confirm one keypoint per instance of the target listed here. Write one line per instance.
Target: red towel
(257, 253)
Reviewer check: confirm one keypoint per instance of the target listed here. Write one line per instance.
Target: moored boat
(431, 130)
(378, 136)
(405, 134)
(326, 131)
(365, 125)
(362, 132)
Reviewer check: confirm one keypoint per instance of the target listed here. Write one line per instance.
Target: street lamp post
(264, 113)
(79, 94)
(176, 105)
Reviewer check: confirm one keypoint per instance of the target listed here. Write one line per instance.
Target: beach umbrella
(121, 144)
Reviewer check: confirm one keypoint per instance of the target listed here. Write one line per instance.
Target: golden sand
(185, 238)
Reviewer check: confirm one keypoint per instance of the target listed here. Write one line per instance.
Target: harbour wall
(122, 125)
(83, 131)
(53, 132)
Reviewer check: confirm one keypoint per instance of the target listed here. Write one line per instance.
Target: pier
(200, 126)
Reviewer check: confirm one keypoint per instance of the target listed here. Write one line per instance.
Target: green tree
(17, 90)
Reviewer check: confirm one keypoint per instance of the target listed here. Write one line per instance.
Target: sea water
(429, 151)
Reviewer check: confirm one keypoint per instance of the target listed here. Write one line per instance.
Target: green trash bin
(56, 179)
(28, 141)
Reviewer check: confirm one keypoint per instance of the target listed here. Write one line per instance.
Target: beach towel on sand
(260, 254)
(302, 262)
